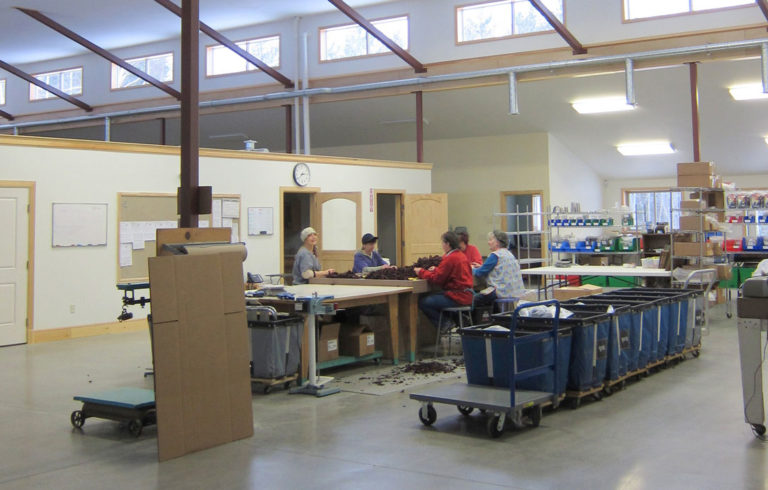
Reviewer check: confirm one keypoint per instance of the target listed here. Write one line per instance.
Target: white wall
(86, 276)
(572, 180)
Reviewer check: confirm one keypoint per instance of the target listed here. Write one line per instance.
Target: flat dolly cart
(136, 406)
(502, 403)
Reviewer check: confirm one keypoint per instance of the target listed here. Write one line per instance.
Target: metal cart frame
(502, 403)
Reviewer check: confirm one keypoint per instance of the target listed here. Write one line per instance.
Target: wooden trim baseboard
(55, 334)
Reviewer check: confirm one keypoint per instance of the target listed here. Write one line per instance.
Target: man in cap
(367, 259)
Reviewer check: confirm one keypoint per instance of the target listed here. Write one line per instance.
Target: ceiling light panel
(599, 105)
(748, 91)
(645, 148)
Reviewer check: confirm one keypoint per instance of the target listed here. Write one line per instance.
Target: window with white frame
(158, 66)
(643, 9)
(654, 207)
(505, 18)
(220, 60)
(68, 81)
(2, 92)
(352, 41)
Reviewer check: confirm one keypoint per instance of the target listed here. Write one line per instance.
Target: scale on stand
(752, 311)
(314, 305)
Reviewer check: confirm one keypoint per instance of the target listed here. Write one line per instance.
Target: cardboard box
(591, 260)
(707, 181)
(752, 308)
(694, 204)
(328, 344)
(694, 223)
(200, 352)
(724, 272)
(691, 249)
(569, 292)
(379, 325)
(357, 341)
(696, 168)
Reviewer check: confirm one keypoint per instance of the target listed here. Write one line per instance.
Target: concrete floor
(680, 428)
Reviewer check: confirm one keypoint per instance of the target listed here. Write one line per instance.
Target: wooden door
(13, 265)
(425, 219)
(338, 221)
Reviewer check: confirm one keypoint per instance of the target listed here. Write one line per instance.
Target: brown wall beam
(190, 135)
(559, 27)
(221, 39)
(34, 81)
(288, 128)
(6, 115)
(763, 4)
(693, 69)
(419, 126)
(98, 50)
(373, 31)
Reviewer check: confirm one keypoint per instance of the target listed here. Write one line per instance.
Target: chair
(461, 313)
(504, 305)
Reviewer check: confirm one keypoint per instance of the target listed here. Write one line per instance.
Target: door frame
(398, 219)
(30, 186)
(293, 190)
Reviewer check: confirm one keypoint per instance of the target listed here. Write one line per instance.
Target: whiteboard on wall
(79, 224)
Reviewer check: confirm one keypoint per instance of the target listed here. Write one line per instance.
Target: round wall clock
(301, 174)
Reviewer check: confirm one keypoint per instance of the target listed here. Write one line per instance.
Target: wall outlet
(71, 308)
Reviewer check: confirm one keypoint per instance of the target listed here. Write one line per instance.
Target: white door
(13, 265)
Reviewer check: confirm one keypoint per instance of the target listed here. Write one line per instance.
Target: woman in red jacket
(453, 275)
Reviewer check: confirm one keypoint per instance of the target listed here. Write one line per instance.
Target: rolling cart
(135, 406)
(501, 403)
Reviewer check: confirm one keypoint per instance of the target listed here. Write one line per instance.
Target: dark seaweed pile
(401, 273)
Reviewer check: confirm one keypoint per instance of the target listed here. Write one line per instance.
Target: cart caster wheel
(623, 384)
(535, 416)
(465, 410)
(287, 385)
(267, 389)
(607, 390)
(574, 403)
(377, 361)
(134, 427)
(431, 416)
(598, 396)
(729, 315)
(696, 353)
(492, 427)
(77, 418)
(759, 429)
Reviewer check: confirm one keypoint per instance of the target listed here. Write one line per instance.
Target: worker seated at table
(453, 275)
(501, 270)
(306, 264)
(472, 253)
(367, 259)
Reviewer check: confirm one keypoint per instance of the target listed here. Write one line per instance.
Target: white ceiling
(731, 132)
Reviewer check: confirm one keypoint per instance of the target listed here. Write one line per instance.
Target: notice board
(139, 215)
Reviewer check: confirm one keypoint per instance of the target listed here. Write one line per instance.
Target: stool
(461, 312)
(504, 305)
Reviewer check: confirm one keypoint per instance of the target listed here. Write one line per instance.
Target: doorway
(523, 222)
(389, 225)
(297, 215)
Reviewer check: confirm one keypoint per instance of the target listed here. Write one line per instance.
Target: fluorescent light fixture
(748, 91)
(645, 148)
(601, 104)
(766, 140)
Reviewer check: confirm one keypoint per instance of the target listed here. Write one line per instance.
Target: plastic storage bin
(486, 357)
(275, 342)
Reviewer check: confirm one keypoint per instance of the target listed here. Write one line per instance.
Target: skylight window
(644, 9)
(505, 18)
(68, 81)
(220, 60)
(158, 66)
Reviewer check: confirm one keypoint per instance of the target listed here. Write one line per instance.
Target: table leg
(304, 352)
(394, 326)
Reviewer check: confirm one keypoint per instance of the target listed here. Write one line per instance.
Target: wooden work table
(408, 308)
(349, 296)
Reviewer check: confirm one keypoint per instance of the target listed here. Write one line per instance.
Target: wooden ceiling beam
(375, 32)
(763, 4)
(43, 19)
(559, 27)
(34, 81)
(223, 40)
(6, 115)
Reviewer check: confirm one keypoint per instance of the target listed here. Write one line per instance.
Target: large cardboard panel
(202, 385)
(696, 181)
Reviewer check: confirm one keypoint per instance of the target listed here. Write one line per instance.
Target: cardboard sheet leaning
(200, 351)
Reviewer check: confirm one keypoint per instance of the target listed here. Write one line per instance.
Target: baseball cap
(369, 238)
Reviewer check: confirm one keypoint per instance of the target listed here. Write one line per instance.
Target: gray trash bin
(275, 342)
